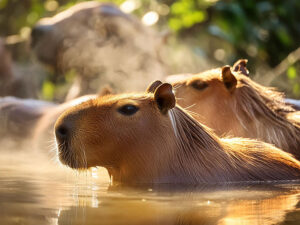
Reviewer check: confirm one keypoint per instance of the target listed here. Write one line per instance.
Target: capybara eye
(128, 110)
(199, 85)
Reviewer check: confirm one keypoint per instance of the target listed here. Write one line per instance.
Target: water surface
(36, 190)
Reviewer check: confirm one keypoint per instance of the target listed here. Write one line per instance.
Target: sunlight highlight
(150, 18)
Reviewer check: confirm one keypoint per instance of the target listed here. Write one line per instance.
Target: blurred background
(197, 34)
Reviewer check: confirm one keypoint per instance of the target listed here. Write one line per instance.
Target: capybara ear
(152, 87)
(241, 67)
(106, 90)
(164, 97)
(228, 78)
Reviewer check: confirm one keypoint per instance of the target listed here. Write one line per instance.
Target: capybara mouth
(70, 158)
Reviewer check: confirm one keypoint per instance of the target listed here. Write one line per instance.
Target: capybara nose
(39, 31)
(63, 132)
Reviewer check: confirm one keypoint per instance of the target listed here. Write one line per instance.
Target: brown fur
(249, 110)
(152, 146)
(102, 45)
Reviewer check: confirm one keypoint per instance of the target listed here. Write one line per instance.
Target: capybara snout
(67, 132)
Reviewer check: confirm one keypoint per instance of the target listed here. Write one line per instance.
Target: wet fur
(270, 115)
(228, 159)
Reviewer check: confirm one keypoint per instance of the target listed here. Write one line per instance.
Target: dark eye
(199, 85)
(128, 110)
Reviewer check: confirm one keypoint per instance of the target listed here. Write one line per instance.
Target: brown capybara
(147, 138)
(228, 101)
(102, 45)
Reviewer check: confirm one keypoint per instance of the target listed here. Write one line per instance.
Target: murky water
(34, 190)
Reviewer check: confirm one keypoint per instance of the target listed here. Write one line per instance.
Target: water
(36, 190)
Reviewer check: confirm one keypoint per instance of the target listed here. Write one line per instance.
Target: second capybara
(228, 101)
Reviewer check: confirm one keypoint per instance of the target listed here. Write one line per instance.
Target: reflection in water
(44, 193)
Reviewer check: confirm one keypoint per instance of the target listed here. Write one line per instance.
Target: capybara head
(229, 102)
(209, 95)
(99, 41)
(112, 130)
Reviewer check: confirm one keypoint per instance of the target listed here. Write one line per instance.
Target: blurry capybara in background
(18, 118)
(12, 83)
(228, 101)
(23, 121)
(102, 44)
(146, 138)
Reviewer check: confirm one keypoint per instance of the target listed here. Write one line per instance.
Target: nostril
(62, 132)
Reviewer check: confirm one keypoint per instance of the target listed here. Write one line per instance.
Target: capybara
(228, 101)
(147, 138)
(102, 44)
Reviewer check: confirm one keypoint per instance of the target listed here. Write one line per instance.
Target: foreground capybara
(147, 138)
(228, 101)
(102, 44)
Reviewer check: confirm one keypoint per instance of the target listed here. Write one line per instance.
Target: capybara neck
(268, 113)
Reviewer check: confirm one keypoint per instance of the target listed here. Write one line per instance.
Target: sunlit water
(35, 190)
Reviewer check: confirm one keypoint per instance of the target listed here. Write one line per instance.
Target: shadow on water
(36, 191)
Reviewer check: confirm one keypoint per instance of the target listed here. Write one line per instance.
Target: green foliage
(260, 30)
(292, 73)
(271, 27)
(48, 90)
(185, 14)
(294, 80)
